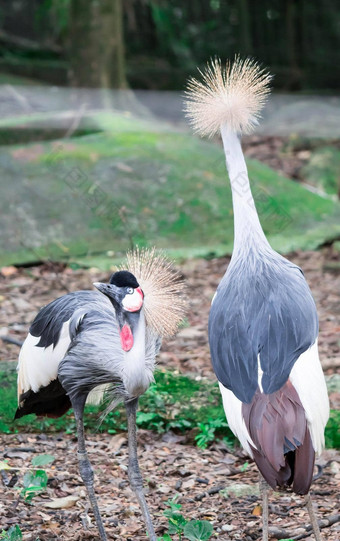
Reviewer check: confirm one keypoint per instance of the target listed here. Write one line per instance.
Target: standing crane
(87, 339)
(263, 324)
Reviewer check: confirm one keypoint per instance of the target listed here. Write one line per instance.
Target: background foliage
(163, 41)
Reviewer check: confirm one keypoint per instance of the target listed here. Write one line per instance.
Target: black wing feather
(49, 321)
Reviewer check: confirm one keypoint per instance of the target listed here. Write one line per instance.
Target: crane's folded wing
(50, 336)
(260, 323)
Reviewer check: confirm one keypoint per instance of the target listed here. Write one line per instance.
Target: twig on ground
(297, 534)
(320, 471)
(10, 340)
(210, 492)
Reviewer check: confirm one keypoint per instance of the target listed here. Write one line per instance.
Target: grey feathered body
(262, 320)
(94, 355)
(263, 312)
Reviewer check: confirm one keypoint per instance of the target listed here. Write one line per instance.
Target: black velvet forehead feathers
(124, 279)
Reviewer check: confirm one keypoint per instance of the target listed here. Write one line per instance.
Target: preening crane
(263, 324)
(107, 337)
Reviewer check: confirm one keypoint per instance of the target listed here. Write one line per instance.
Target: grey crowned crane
(263, 324)
(107, 337)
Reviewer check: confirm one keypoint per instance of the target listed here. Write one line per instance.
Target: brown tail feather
(283, 449)
(304, 465)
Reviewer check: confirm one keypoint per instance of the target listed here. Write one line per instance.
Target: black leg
(85, 468)
(135, 476)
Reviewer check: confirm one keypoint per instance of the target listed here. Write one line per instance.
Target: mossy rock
(142, 182)
(240, 490)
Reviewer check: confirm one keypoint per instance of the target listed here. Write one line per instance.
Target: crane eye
(129, 290)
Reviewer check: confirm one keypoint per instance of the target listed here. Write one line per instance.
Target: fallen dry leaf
(62, 503)
(8, 271)
(257, 511)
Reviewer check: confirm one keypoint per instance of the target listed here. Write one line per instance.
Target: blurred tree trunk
(96, 44)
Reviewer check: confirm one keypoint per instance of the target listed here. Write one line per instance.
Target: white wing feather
(233, 412)
(309, 382)
(38, 366)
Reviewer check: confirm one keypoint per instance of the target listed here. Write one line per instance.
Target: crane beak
(111, 291)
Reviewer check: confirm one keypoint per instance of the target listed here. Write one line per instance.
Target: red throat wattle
(126, 338)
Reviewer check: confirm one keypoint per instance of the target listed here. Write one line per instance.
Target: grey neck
(248, 232)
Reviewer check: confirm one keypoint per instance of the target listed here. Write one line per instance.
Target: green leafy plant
(194, 530)
(205, 436)
(13, 534)
(208, 431)
(176, 521)
(42, 460)
(35, 481)
(175, 402)
(198, 530)
(151, 419)
(332, 432)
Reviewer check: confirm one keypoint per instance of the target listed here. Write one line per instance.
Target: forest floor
(170, 463)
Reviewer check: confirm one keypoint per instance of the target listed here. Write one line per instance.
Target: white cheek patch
(133, 302)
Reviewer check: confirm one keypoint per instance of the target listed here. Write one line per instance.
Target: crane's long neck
(137, 377)
(247, 228)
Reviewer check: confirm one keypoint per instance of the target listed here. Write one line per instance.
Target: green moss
(323, 170)
(140, 183)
